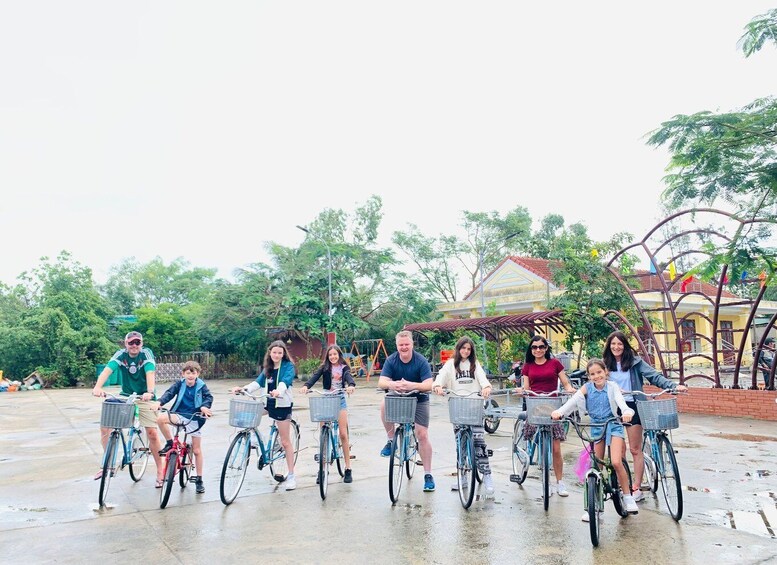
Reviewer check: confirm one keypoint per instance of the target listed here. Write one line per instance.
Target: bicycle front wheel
(395, 464)
(167, 484)
(235, 465)
(138, 455)
(337, 451)
(651, 470)
(465, 467)
(491, 423)
(617, 492)
(520, 453)
(592, 491)
(109, 467)
(670, 478)
(186, 467)
(324, 455)
(411, 455)
(545, 462)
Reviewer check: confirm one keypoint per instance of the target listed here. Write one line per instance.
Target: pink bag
(583, 463)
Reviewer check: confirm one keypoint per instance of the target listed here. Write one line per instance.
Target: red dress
(543, 378)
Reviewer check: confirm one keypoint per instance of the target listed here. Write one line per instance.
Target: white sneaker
(290, 482)
(585, 516)
(488, 482)
(629, 505)
(561, 489)
(455, 486)
(638, 496)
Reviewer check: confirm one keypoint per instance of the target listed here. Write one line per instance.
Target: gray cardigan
(641, 370)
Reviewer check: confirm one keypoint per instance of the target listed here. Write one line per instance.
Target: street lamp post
(329, 269)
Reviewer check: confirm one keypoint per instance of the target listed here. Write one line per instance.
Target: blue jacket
(641, 370)
(286, 376)
(202, 396)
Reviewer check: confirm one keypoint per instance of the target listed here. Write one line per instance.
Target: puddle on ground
(743, 437)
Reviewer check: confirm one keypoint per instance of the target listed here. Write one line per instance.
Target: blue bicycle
(400, 409)
(326, 409)
(246, 414)
(120, 414)
(465, 411)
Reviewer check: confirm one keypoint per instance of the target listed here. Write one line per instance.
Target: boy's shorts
(193, 427)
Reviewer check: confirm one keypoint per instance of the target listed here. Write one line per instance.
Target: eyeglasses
(539, 347)
(134, 342)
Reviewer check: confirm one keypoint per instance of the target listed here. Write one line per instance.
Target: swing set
(375, 353)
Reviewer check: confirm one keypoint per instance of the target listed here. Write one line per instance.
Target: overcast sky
(204, 130)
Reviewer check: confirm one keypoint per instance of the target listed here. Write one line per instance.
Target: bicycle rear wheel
(616, 492)
(186, 467)
(411, 456)
(592, 491)
(395, 464)
(465, 467)
(670, 478)
(545, 463)
(167, 484)
(109, 467)
(651, 470)
(235, 465)
(337, 452)
(138, 455)
(324, 455)
(520, 453)
(279, 468)
(491, 423)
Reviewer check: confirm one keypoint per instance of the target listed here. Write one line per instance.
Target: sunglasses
(540, 347)
(134, 342)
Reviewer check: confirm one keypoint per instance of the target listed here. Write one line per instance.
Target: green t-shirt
(133, 370)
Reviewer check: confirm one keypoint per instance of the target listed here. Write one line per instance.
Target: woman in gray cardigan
(628, 371)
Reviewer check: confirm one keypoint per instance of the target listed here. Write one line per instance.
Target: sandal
(159, 483)
(99, 475)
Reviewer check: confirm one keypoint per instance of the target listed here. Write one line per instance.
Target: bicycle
(179, 459)
(400, 409)
(601, 483)
(538, 409)
(465, 412)
(325, 408)
(245, 415)
(119, 415)
(658, 417)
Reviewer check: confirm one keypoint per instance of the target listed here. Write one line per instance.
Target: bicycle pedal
(515, 479)
(490, 452)
(279, 478)
(315, 458)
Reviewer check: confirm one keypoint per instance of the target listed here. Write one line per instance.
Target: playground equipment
(369, 362)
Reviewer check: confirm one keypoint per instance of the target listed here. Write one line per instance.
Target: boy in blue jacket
(191, 395)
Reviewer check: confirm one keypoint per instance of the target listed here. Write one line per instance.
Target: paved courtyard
(50, 450)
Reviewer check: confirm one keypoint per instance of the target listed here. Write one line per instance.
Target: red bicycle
(179, 460)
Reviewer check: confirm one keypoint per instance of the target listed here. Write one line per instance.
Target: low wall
(740, 403)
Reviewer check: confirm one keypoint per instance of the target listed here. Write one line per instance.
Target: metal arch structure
(664, 356)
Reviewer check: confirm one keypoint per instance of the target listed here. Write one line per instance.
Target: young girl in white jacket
(463, 375)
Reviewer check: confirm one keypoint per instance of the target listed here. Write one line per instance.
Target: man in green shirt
(137, 369)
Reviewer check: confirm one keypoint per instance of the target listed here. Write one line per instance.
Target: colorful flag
(725, 278)
(672, 271)
(762, 278)
(686, 281)
(744, 276)
(652, 268)
(594, 253)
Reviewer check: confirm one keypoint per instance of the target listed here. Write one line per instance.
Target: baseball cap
(133, 335)
(768, 340)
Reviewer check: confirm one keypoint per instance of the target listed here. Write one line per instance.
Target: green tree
(166, 328)
(431, 257)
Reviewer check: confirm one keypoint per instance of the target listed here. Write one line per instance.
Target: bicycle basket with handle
(400, 409)
(466, 411)
(117, 415)
(245, 413)
(658, 414)
(538, 409)
(325, 408)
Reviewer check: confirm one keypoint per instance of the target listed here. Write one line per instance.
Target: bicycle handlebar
(657, 394)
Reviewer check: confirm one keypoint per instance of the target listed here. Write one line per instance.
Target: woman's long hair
(472, 355)
(268, 364)
(627, 359)
(535, 339)
(326, 366)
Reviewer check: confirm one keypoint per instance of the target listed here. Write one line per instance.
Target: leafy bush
(307, 366)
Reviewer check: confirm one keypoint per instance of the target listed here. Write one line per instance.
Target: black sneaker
(167, 447)
(200, 486)
(348, 478)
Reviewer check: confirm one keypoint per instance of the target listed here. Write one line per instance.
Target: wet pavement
(49, 510)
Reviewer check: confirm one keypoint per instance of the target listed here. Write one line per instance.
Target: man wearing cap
(137, 369)
(766, 359)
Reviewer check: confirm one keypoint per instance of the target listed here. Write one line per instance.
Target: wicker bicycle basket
(466, 411)
(245, 413)
(400, 409)
(658, 414)
(538, 409)
(325, 408)
(117, 415)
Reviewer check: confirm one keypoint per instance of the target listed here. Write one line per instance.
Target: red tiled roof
(651, 281)
(539, 267)
(515, 323)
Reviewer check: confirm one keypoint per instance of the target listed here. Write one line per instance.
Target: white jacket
(464, 382)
